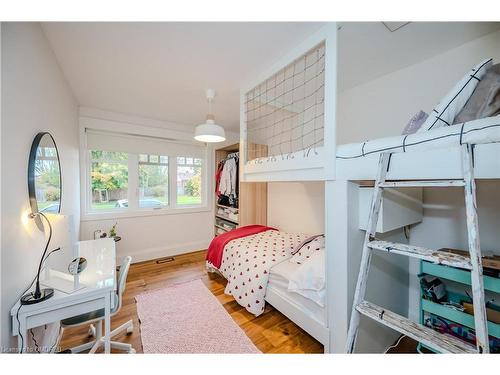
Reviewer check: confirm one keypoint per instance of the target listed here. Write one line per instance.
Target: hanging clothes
(227, 184)
(217, 177)
(227, 181)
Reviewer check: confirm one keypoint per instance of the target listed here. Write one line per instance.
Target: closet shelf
(222, 206)
(227, 219)
(221, 227)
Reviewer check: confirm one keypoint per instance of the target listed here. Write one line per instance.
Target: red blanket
(216, 248)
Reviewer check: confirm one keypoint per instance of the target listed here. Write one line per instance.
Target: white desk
(100, 285)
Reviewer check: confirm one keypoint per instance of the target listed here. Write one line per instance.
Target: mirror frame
(31, 171)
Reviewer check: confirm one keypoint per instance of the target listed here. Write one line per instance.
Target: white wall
(158, 235)
(296, 207)
(151, 237)
(35, 97)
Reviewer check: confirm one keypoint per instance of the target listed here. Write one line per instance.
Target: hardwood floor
(271, 332)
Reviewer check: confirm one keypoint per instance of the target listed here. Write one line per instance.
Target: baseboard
(143, 255)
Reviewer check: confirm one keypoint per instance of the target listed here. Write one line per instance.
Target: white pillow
(309, 279)
(444, 113)
(307, 250)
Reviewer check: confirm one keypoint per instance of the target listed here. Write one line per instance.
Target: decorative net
(285, 113)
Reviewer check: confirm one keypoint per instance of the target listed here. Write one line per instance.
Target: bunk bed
(287, 133)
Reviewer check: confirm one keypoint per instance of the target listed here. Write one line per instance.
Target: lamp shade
(209, 132)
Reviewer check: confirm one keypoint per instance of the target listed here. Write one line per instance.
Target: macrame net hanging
(285, 113)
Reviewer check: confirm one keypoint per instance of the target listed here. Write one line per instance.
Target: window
(136, 175)
(189, 182)
(109, 180)
(153, 181)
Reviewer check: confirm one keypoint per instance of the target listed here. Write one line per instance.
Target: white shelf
(400, 207)
(222, 206)
(227, 219)
(225, 229)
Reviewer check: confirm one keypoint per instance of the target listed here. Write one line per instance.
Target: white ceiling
(160, 70)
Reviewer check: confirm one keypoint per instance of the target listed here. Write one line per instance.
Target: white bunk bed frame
(317, 166)
(342, 179)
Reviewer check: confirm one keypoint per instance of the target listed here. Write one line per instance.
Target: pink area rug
(188, 318)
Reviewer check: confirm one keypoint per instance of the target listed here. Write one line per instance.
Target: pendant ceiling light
(209, 131)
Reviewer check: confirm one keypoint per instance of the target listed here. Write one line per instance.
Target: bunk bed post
(243, 133)
(330, 100)
(334, 317)
(479, 304)
(343, 242)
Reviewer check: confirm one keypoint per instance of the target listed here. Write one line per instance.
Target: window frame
(133, 210)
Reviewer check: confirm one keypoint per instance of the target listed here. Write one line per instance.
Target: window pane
(143, 157)
(109, 183)
(180, 160)
(188, 185)
(189, 161)
(153, 185)
(164, 159)
(153, 158)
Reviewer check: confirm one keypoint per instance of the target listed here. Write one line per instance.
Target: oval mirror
(44, 175)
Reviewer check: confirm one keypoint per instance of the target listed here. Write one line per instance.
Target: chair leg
(129, 326)
(83, 347)
(98, 340)
(94, 345)
(122, 346)
(92, 331)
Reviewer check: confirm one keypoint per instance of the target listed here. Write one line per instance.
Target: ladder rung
(434, 256)
(443, 343)
(423, 183)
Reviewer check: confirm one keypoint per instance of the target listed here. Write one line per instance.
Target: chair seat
(92, 315)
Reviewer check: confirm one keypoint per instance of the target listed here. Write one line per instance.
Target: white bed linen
(486, 130)
(279, 279)
(309, 280)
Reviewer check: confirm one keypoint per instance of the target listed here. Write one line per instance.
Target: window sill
(94, 216)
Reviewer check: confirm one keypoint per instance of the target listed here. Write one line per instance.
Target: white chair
(97, 317)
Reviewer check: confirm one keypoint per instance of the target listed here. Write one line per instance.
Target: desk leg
(22, 342)
(107, 323)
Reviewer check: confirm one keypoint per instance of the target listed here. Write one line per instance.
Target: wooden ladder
(441, 342)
